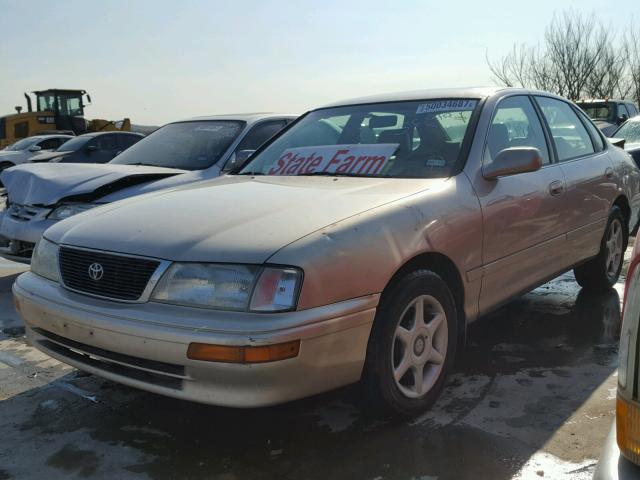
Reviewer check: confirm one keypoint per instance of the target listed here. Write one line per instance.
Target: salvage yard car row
(176, 154)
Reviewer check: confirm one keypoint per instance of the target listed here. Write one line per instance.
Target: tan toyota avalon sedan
(355, 246)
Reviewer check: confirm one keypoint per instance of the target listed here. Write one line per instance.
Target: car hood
(10, 153)
(231, 219)
(632, 147)
(48, 183)
(48, 156)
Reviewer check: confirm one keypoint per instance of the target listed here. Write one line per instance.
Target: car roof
(53, 135)
(432, 94)
(117, 132)
(602, 100)
(243, 117)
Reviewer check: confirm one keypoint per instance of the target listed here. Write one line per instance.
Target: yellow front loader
(57, 111)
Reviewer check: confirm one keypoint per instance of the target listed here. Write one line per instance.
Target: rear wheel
(602, 272)
(412, 345)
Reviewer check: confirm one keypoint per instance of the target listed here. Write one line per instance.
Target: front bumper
(145, 345)
(612, 465)
(20, 233)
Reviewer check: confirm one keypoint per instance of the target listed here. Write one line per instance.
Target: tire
(4, 166)
(398, 340)
(602, 272)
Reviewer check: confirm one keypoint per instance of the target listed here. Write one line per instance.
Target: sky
(159, 61)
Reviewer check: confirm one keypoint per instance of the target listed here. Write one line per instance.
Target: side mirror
(512, 161)
(618, 142)
(622, 118)
(238, 159)
(91, 148)
(35, 148)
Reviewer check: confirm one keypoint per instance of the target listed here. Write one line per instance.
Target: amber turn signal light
(230, 354)
(628, 429)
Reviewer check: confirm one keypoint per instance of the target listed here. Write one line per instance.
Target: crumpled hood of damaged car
(231, 219)
(48, 183)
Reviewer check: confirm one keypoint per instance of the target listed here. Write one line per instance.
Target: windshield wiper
(143, 164)
(335, 174)
(327, 174)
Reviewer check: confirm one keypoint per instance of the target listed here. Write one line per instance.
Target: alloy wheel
(419, 346)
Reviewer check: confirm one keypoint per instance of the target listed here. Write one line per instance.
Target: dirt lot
(533, 397)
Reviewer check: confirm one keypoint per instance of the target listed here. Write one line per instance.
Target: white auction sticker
(452, 105)
(358, 159)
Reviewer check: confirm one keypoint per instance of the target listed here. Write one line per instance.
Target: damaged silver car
(357, 245)
(176, 154)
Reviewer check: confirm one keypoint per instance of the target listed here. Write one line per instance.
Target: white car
(189, 151)
(23, 150)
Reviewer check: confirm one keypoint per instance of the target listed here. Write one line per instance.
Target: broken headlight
(66, 211)
(230, 287)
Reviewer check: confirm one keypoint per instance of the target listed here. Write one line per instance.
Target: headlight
(229, 287)
(66, 211)
(44, 261)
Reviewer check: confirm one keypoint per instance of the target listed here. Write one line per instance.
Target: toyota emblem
(96, 271)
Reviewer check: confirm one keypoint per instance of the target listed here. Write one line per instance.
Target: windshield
(74, 144)
(22, 144)
(597, 111)
(420, 139)
(184, 145)
(630, 131)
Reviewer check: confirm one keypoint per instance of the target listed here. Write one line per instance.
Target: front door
(524, 221)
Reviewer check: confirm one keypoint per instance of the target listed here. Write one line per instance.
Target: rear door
(524, 231)
(589, 175)
(125, 141)
(106, 148)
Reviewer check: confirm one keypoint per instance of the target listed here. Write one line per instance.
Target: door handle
(608, 173)
(556, 187)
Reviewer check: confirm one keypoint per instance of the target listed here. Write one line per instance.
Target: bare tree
(632, 40)
(579, 57)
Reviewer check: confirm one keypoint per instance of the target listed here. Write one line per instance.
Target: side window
(125, 141)
(104, 142)
(49, 144)
(622, 111)
(596, 136)
(260, 134)
(633, 111)
(515, 124)
(569, 134)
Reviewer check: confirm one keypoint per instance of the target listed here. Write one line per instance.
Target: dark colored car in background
(629, 131)
(608, 114)
(100, 147)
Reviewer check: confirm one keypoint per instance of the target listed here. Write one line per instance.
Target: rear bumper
(145, 345)
(612, 465)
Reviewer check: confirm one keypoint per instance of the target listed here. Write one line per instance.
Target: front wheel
(602, 272)
(412, 345)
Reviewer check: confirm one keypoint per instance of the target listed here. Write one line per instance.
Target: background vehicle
(23, 150)
(57, 111)
(608, 114)
(355, 245)
(629, 131)
(620, 459)
(178, 153)
(99, 147)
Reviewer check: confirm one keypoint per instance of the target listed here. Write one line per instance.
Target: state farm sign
(359, 159)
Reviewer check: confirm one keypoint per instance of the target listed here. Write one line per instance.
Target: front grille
(114, 276)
